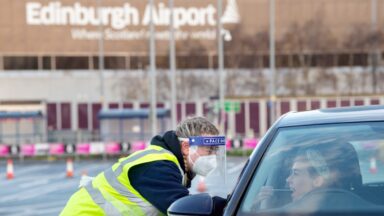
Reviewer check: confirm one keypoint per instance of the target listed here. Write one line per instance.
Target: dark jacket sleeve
(159, 183)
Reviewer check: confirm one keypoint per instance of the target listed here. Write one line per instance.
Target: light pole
(220, 63)
(272, 67)
(172, 65)
(220, 55)
(152, 61)
(101, 59)
(375, 52)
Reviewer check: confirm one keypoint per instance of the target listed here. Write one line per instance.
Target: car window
(323, 168)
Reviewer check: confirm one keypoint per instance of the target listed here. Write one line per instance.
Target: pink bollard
(112, 148)
(27, 149)
(228, 144)
(138, 145)
(4, 150)
(250, 143)
(83, 148)
(56, 149)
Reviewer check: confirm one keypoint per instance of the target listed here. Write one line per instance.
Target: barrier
(56, 149)
(27, 150)
(69, 149)
(125, 147)
(113, 148)
(228, 144)
(101, 148)
(96, 148)
(4, 150)
(138, 145)
(82, 148)
(15, 149)
(41, 149)
(237, 143)
(250, 143)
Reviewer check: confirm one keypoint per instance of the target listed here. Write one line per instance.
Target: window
(325, 168)
(72, 63)
(187, 62)
(139, 62)
(20, 63)
(47, 64)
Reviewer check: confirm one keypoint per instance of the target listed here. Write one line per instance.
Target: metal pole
(152, 61)
(375, 53)
(101, 58)
(172, 65)
(272, 66)
(221, 74)
(220, 64)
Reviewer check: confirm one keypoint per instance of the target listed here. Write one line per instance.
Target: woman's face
(203, 151)
(300, 181)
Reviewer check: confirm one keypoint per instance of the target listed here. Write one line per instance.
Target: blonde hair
(195, 126)
(318, 164)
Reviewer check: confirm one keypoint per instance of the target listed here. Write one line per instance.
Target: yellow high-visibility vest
(111, 192)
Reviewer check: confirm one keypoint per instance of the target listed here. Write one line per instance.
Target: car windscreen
(329, 168)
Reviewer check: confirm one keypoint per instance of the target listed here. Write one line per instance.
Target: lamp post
(172, 65)
(101, 59)
(220, 63)
(272, 67)
(220, 55)
(375, 52)
(152, 61)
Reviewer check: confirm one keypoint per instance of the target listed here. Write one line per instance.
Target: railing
(104, 149)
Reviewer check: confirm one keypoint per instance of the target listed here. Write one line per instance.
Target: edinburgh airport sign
(128, 22)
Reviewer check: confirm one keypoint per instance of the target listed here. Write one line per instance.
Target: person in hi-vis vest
(148, 181)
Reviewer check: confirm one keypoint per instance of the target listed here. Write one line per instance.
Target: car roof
(333, 115)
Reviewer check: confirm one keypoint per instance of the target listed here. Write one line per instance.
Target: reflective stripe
(137, 156)
(141, 154)
(111, 176)
(99, 199)
(123, 190)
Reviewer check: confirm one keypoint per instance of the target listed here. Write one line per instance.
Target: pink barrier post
(28, 149)
(4, 150)
(56, 148)
(138, 145)
(250, 143)
(82, 148)
(112, 148)
(228, 144)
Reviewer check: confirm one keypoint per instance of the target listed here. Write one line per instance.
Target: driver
(309, 171)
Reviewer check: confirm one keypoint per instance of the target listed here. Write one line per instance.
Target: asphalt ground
(40, 187)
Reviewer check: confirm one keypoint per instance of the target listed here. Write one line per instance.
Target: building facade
(50, 53)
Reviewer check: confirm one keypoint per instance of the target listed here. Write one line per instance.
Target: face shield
(207, 155)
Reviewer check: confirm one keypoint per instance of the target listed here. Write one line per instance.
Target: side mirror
(198, 204)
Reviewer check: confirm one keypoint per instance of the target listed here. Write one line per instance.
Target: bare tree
(134, 86)
(362, 38)
(306, 40)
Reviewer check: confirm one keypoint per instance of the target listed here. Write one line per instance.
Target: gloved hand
(85, 180)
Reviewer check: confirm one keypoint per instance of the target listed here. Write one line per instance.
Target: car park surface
(41, 188)
(344, 147)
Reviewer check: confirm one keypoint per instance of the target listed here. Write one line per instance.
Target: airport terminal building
(50, 53)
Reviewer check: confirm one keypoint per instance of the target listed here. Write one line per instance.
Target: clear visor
(209, 148)
(207, 145)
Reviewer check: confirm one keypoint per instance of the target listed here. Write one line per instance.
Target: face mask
(204, 165)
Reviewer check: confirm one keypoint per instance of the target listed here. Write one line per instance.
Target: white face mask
(204, 165)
